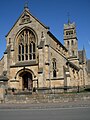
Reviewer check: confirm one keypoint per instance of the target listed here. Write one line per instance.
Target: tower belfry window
(68, 43)
(72, 42)
(26, 46)
(73, 53)
(69, 32)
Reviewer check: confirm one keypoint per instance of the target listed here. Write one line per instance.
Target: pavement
(84, 103)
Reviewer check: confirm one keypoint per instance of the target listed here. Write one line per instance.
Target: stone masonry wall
(47, 98)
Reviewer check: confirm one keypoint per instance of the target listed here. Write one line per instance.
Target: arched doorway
(27, 82)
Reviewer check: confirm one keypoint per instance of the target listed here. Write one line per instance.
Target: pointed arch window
(72, 42)
(68, 43)
(54, 68)
(73, 53)
(26, 46)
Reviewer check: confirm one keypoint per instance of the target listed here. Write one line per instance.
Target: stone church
(35, 58)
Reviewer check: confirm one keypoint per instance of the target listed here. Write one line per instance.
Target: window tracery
(26, 46)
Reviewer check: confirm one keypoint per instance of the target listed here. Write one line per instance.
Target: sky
(52, 13)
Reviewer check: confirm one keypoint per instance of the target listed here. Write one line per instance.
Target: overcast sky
(52, 13)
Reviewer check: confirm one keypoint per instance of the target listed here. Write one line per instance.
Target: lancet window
(54, 68)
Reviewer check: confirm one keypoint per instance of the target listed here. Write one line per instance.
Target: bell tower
(71, 41)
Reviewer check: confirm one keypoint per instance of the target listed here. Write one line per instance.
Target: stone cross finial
(26, 5)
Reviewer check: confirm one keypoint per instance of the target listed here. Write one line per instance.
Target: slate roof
(54, 38)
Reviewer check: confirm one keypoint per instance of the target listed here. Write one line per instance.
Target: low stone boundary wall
(47, 98)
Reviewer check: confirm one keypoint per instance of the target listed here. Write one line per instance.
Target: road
(66, 113)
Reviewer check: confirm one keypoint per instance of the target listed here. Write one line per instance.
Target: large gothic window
(26, 46)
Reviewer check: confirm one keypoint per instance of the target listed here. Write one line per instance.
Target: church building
(35, 58)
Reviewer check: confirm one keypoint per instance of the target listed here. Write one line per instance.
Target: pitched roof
(52, 36)
(26, 10)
